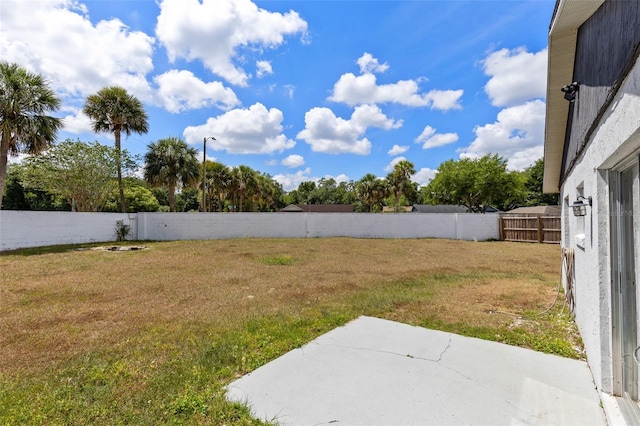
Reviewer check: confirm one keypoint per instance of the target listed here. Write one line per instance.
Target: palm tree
(25, 100)
(113, 110)
(170, 163)
(265, 193)
(371, 191)
(219, 179)
(379, 192)
(365, 190)
(399, 179)
(245, 182)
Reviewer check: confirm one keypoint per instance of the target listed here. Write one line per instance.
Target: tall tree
(188, 200)
(171, 163)
(138, 194)
(306, 193)
(476, 184)
(365, 188)
(399, 180)
(533, 185)
(14, 192)
(411, 193)
(346, 192)
(265, 193)
(113, 110)
(380, 190)
(244, 178)
(25, 126)
(82, 173)
(18, 196)
(218, 181)
(326, 191)
(279, 194)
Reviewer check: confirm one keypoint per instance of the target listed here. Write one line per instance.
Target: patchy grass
(152, 336)
(282, 259)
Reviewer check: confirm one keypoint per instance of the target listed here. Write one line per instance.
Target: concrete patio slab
(379, 372)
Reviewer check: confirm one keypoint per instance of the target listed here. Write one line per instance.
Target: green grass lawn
(152, 336)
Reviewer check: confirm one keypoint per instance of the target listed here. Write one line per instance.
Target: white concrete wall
(615, 140)
(452, 226)
(181, 226)
(208, 226)
(20, 229)
(388, 225)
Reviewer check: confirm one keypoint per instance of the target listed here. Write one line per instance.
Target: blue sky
(305, 89)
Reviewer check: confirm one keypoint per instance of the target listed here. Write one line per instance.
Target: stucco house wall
(617, 139)
(588, 143)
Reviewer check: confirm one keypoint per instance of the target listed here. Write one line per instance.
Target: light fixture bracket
(580, 205)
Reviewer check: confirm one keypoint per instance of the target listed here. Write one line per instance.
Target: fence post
(540, 229)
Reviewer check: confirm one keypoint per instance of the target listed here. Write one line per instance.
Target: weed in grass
(283, 259)
(192, 402)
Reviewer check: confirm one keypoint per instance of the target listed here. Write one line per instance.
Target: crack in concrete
(391, 352)
(445, 350)
(489, 390)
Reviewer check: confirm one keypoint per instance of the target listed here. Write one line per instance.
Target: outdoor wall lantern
(580, 205)
(570, 91)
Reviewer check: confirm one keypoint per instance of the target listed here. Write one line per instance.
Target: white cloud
(516, 76)
(263, 68)
(517, 135)
(254, 130)
(76, 122)
(56, 39)
(334, 135)
(181, 91)
(214, 32)
(392, 164)
(363, 89)
(430, 139)
(289, 90)
(397, 150)
(424, 176)
(340, 178)
(293, 161)
(209, 157)
(369, 64)
(371, 116)
(290, 182)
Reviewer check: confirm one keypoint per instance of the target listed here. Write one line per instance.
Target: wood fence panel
(530, 228)
(552, 229)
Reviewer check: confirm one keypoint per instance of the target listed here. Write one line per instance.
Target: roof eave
(568, 17)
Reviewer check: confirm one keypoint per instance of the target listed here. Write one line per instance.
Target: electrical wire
(567, 269)
(554, 300)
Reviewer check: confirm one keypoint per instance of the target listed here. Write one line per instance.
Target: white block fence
(21, 229)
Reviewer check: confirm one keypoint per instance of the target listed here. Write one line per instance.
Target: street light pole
(204, 171)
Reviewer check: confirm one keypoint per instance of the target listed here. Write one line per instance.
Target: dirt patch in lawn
(119, 248)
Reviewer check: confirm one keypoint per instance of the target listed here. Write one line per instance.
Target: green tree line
(88, 176)
(75, 175)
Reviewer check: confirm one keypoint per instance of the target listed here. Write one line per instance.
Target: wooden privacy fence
(534, 228)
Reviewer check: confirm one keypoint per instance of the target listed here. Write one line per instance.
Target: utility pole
(204, 171)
